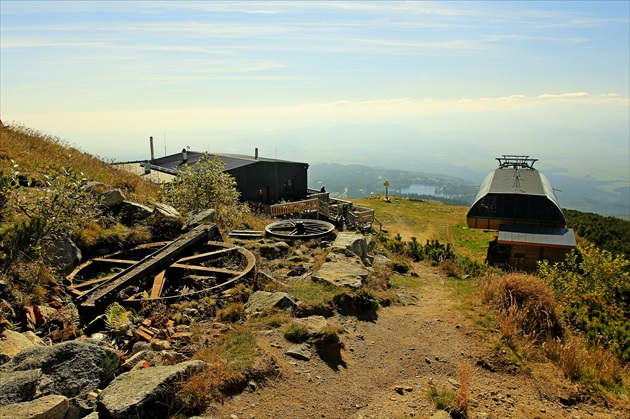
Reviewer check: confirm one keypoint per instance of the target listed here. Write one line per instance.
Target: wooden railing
(332, 208)
(294, 207)
(362, 218)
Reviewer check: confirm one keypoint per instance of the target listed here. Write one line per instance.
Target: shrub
(328, 335)
(296, 332)
(525, 304)
(117, 319)
(232, 313)
(58, 208)
(442, 399)
(205, 185)
(432, 251)
(594, 287)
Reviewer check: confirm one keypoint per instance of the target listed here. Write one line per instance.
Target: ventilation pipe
(256, 153)
(152, 152)
(184, 155)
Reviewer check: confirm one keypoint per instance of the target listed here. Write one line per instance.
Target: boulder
(112, 197)
(313, 323)
(350, 242)
(342, 271)
(132, 212)
(18, 386)
(12, 343)
(64, 254)
(274, 250)
(72, 368)
(166, 211)
(199, 218)
(381, 260)
(150, 356)
(94, 186)
(166, 222)
(263, 300)
(47, 407)
(299, 352)
(144, 392)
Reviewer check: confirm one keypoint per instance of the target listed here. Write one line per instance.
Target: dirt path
(409, 346)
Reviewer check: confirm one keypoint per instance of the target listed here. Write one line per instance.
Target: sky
(105, 76)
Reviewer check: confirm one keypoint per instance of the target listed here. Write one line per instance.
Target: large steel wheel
(215, 267)
(299, 229)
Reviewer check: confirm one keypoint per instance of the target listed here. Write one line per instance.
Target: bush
(296, 332)
(328, 335)
(56, 209)
(205, 185)
(232, 313)
(432, 251)
(525, 305)
(594, 287)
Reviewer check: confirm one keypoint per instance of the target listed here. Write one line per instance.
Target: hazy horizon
(446, 86)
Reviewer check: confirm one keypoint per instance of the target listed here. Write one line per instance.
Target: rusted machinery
(303, 229)
(193, 265)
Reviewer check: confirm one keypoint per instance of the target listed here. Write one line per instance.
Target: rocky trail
(387, 366)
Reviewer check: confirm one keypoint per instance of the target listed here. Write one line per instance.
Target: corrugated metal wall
(271, 182)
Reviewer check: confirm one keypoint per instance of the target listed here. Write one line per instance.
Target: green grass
(314, 293)
(400, 281)
(430, 221)
(238, 348)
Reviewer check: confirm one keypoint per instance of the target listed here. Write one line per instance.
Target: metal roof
(516, 181)
(534, 235)
(231, 161)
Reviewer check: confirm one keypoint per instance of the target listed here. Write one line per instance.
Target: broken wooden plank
(158, 285)
(97, 299)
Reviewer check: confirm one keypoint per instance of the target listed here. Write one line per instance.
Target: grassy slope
(38, 154)
(430, 221)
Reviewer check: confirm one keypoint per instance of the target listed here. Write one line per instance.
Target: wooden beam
(158, 285)
(96, 300)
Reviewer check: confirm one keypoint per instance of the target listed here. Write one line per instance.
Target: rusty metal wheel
(299, 229)
(213, 267)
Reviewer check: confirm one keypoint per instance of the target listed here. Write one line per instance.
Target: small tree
(54, 209)
(205, 185)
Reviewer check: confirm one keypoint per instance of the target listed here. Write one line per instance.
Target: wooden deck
(335, 210)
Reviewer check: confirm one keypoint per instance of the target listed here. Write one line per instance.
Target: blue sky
(106, 75)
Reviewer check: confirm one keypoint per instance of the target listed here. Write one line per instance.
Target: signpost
(386, 184)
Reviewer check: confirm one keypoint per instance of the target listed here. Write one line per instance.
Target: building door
(264, 194)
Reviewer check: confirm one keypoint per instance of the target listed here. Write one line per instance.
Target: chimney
(152, 153)
(184, 155)
(256, 153)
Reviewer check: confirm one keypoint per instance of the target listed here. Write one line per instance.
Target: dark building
(515, 193)
(258, 179)
(519, 202)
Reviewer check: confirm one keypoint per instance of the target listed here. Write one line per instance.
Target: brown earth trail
(387, 366)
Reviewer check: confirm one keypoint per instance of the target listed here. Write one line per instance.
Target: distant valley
(359, 181)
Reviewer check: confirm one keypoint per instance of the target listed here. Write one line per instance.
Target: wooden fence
(294, 207)
(331, 208)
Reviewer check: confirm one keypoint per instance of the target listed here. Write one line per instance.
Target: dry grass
(579, 362)
(528, 321)
(29, 282)
(38, 154)
(524, 304)
(463, 397)
(232, 312)
(378, 279)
